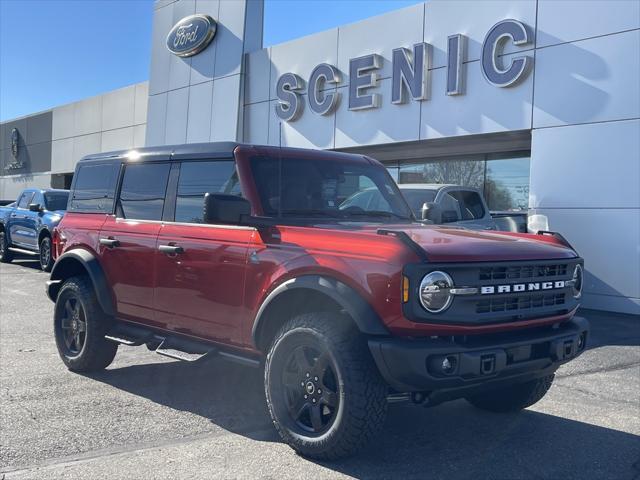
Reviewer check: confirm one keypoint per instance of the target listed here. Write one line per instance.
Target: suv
(243, 252)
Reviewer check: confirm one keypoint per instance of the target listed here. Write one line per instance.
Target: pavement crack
(612, 368)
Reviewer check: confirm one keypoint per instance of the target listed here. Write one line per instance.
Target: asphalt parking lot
(148, 417)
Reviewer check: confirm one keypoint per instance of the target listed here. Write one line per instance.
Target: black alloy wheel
(311, 389)
(46, 261)
(74, 327)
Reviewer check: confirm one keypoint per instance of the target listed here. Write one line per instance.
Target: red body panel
(214, 289)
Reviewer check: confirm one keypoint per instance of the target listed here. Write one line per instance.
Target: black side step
(129, 335)
(177, 347)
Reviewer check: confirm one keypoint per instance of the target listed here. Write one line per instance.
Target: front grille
(521, 302)
(515, 272)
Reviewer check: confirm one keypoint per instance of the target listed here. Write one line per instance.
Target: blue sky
(57, 51)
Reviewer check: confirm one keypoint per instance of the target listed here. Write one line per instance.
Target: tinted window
(198, 178)
(143, 191)
(450, 209)
(303, 187)
(56, 200)
(25, 200)
(470, 204)
(94, 187)
(417, 198)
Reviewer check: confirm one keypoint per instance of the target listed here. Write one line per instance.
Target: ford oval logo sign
(191, 35)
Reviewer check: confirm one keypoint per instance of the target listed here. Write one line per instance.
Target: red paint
(214, 290)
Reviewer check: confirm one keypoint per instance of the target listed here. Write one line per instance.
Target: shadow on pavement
(453, 440)
(608, 328)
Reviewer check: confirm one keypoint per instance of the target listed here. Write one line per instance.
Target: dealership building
(535, 102)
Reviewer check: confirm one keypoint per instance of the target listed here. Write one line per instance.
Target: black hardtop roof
(195, 151)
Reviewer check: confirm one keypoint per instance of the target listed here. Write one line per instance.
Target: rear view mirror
(35, 207)
(222, 208)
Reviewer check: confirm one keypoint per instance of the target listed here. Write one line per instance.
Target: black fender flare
(91, 265)
(365, 317)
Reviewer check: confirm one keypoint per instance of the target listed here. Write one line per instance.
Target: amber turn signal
(405, 289)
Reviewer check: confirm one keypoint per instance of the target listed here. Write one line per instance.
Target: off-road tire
(513, 398)
(46, 260)
(361, 392)
(6, 255)
(96, 353)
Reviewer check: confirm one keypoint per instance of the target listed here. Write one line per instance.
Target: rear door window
(471, 207)
(198, 178)
(94, 187)
(143, 191)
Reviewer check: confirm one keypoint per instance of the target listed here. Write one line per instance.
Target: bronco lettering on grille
(523, 287)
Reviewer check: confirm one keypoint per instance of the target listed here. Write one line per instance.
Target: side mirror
(430, 211)
(222, 208)
(35, 207)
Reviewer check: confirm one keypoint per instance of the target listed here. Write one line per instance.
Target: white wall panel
(588, 81)
(157, 111)
(12, 186)
(62, 125)
(224, 114)
(473, 19)
(609, 242)
(483, 109)
(256, 123)
(161, 57)
(180, 67)
(176, 126)
(562, 21)
(381, 34)
(389, 123)
(86, 144)
(229, 38)
(87, 116)
(140, 109)
(586, 166)
(257, 74)
(118, 108)
(139, 133)
(309, 131)
(199, 116)
(119, 139)
(202, 64)
(301, 56)
(62, 159)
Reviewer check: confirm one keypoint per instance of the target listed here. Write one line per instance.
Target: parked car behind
(27, 224)
(435, 203)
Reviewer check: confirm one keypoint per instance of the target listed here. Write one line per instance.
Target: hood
(447, 244)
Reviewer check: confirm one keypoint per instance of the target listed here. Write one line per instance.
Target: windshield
(417, 198)
(56, 200)
(302, 187)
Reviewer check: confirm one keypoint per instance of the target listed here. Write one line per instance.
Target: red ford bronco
(250, 253)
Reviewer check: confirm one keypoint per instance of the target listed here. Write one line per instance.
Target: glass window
(470, 204)
(507, 183)
(25, 200)
(143, 191)
(94, 187)
(198, 178)
(302, 187)
(56, 200)
(450, 209)
(417, 197)
(467, 171)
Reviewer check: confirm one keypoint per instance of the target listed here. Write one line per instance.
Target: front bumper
(481, 363)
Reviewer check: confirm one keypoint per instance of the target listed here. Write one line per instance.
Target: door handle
(14, 215)
(170, 249)
(109, 242)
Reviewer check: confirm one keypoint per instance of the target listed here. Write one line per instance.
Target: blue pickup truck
(26, 225)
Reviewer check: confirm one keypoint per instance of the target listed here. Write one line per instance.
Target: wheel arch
(44, 232)
(309, 293)
(81, 262)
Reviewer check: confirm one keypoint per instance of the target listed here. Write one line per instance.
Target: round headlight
(434, 292)
(577, 281)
